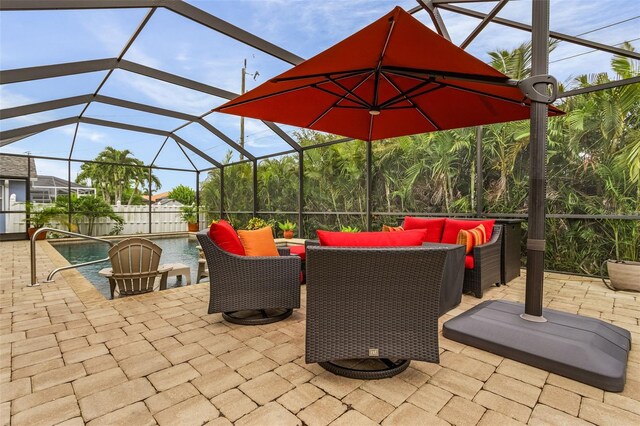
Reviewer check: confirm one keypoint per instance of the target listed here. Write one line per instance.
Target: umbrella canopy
(394, 77)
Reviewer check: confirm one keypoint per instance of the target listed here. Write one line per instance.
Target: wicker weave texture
(244, 282)
(486, 265)
(373, 302)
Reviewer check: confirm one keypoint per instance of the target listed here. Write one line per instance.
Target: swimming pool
(174, 250)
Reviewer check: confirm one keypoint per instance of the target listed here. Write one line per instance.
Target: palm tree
(113, 172)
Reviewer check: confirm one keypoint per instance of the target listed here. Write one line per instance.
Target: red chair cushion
(468, 262)
(298, 251)
(225, 237)
(372, 239)
(452, 228)
(433, 227)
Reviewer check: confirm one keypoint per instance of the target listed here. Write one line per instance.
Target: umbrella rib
(479, 92)
(349, 73)
(376, 80)
(402, 94)
(230, 104)
(337, 83)
(415, 95)
(259, 98)
(424, 114)
(476, 78)
(336, 103)
(357, 101)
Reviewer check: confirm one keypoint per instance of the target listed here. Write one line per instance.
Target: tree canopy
(117, 174)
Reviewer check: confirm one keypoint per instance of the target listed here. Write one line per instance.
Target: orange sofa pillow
(472, 237)
(387, 228)
(259, 242)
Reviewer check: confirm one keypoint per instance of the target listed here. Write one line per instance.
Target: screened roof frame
(432, 7)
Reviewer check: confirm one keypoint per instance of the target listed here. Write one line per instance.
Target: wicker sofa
(251, 290)
(372, 303)
(483, 264)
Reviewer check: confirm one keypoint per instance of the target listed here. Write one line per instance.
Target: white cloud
(85, 132)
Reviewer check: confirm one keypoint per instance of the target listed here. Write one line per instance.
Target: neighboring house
(17, 174)
(162, 199)
(45, 189)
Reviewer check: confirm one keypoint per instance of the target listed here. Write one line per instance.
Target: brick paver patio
(68, 356)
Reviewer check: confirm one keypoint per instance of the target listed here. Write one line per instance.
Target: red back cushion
(433, 227)
(225, 237)
(372, 239)
(452, 227)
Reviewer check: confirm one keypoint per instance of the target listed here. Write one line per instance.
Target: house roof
(56, 182)
(11, 166)
(157, 197)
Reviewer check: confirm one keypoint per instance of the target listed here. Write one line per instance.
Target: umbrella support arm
(546, 96)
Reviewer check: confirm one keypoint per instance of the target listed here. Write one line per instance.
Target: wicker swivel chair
(251, 290)
(370, 306)
(135, 267)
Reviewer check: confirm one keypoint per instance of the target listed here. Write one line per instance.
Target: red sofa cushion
(225, 237)
(372, 239)
(468, 262)
(433, 227)
(298, 251)
(452, 227)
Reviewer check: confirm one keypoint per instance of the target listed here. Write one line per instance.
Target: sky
(174, 44)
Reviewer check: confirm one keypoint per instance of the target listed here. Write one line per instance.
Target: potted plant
(258, 223)
(39, 218)
(190, 215)
(349, 229)
(624, 274)
(287, 229)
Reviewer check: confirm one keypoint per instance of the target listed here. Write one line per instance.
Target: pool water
(174, 250)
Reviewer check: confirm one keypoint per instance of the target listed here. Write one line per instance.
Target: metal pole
(300, 194)
(369, 183)
(69, 193)
(537, 167)
(28, 197)
(198, 193)
(479, 173)
(221, 192)
(255, 188)
(150, 195)
(242, 89)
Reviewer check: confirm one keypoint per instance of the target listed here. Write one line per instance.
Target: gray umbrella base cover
(585, 349)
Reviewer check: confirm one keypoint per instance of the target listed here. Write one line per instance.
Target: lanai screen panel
(35, 38)
(129, 116)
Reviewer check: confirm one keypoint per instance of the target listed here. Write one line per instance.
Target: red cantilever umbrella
(393, 78)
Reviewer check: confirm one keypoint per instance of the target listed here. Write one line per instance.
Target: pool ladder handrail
(49, 279)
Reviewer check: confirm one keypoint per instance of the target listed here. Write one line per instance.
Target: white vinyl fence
(136, 220)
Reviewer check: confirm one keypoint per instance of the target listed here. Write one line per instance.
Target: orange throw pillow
(387, 228)
(472, 237)
(259, 242)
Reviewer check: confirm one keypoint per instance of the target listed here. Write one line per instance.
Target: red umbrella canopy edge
(393, 78)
